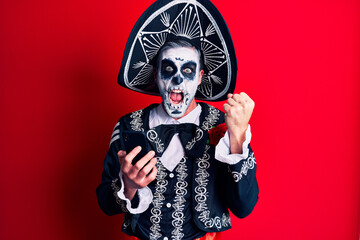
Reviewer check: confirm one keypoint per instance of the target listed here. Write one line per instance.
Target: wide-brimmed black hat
(198, 22)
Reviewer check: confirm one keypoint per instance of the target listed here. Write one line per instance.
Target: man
(184, 186)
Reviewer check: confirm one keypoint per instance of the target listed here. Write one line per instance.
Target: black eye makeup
(168, 68)
(189, 69)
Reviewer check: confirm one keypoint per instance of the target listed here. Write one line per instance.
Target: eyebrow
(170, 60)
(167, 60)
(190, 62)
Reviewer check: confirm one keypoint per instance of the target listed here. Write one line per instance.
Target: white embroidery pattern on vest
(152, 136)
(136, 123)
(198, 135)
(158, 199)
(179, 202)
(211, 118)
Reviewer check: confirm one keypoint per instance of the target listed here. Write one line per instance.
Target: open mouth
(176, 96)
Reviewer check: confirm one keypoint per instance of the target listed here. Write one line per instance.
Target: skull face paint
(178, 76)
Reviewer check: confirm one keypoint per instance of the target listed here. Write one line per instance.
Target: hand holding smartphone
(136, 174)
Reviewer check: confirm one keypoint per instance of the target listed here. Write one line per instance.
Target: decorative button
(171, 175)
(165, 238)
(168, 205)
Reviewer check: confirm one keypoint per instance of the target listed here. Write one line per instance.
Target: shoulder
(135, 121)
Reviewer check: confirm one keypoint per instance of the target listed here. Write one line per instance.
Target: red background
(299, 61)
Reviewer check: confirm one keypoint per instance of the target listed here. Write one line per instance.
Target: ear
(201, 73)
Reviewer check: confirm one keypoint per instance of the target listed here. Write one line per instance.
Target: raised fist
(238, 111)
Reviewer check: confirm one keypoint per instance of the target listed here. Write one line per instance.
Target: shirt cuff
(222, 150)
(145, 198)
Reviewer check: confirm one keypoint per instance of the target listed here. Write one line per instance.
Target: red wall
(299, 60)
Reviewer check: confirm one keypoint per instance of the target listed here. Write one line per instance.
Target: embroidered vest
(188, 201)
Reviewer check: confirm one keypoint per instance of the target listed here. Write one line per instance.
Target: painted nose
(177, 80)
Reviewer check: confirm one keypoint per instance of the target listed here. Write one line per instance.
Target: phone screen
(133, 139)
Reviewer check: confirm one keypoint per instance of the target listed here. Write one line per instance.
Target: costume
(203, 190)
(191, 195)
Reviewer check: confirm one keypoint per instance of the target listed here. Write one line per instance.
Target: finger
(151, 176)
(229, 95)
(243, 94)
(123, 164)
(247, 98)
(226, 107)
(121, 155)
(143, 161)
(242, 98)
(231, 102)
(130, 156)
(146, 170)
(238, 98)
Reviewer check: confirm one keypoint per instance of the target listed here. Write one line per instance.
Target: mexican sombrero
(200, 23)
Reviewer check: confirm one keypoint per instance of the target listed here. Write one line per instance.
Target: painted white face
(178, 76)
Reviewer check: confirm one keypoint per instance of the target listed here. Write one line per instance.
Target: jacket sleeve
(106, 192)
(240, 185)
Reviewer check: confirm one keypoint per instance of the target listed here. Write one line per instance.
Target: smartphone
(133, 139)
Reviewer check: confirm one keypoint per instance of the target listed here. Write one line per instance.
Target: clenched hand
(238, 111)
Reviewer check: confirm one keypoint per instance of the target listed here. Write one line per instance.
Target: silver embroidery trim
(181, 26)
(226, 221)
(165, 19)
(211, 118)
(116, 189)
(136, 123)
(113, 139)
(116, 133)
(179, 202)
(202, 195)
(198, 135)
(247, 164)
(152, 136)
(158, 199)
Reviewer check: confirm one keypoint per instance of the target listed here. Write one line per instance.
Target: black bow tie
(192, 138)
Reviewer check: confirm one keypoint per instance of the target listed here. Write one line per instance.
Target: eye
(169, 68)
(187, 70)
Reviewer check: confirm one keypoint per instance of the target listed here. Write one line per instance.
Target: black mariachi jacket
(216, 186)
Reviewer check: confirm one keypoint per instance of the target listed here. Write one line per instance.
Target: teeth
(176, 91)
